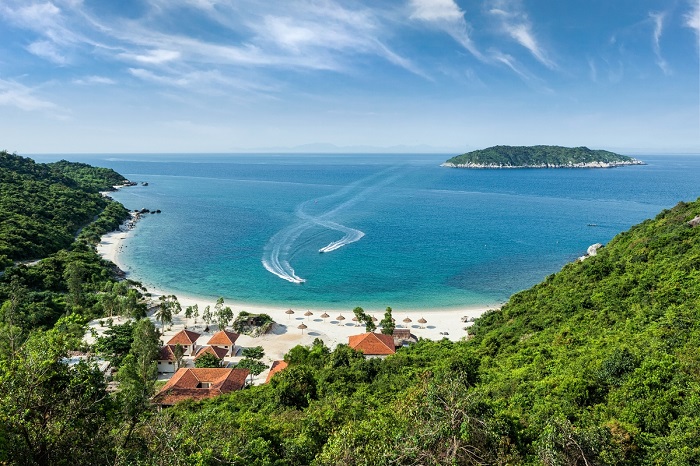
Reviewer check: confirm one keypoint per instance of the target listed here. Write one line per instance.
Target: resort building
(187, 339)
(403, 337)
(199, 384)
(167, 360)
(215, 350)
(226, 340)
(373, 345)
(277, 366)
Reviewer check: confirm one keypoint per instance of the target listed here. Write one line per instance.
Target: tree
(387, 323)
(50, 412)
(169, 305)
(253, 365)
(207, 360)
(137, 375)
(256, 352)
(179, 353)
(206, 315)
(73, 277)
(364, 318)
(116, 343)
(222, 315)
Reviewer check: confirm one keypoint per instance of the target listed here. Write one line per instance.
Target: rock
(591, 251)
(694, 222)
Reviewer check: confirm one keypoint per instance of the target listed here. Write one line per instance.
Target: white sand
(442, 323)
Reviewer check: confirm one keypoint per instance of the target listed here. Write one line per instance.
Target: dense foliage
(598, 364)
(536, 156)
(42, 206)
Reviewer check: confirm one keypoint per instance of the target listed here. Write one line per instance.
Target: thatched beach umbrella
(289, 312)
(422, 321)
(374, 319)
(340, 318)
(324, 316)
(407, 321)
(302, 327)
(354, 319)
(307, 314)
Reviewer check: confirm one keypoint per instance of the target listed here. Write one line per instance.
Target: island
(540, 157)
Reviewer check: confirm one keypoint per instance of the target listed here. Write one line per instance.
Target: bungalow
(277, 366)
(226, 340)
(187, 339)
(166, 359)
(373, 345)
(215, 350)
(403, 337)
(199, 384)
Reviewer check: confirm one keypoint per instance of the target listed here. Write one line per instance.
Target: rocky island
(540, 157)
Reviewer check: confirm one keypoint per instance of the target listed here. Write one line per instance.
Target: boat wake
(281, 248)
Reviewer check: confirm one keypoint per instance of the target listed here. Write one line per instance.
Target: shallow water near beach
(339, 231)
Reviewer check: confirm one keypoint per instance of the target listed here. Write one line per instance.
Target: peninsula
(540, 157)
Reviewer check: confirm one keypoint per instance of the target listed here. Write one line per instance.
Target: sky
(172, 76)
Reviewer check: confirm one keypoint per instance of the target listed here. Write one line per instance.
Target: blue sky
(237, 75)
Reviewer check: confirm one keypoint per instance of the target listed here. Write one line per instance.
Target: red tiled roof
(185, 382)
(184, 337)
(223, 337)
(277, 366)
(166, 353)
(372, 344)
(215, 350)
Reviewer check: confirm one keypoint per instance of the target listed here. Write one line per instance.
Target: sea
(336, 231)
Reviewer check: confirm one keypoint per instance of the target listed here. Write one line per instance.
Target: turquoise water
(396, 230)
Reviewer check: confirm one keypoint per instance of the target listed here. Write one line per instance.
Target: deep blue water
(399, 230)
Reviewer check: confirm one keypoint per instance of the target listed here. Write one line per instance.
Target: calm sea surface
(339, 231)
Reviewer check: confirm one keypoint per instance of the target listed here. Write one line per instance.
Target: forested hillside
(599, 364)
(539, 157)
(42, 206)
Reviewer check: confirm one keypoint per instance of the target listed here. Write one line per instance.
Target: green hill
(539, 157)
(42, 206)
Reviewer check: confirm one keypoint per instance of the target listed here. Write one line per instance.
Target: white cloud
(88, 80)
(447, 16)
(515, 23)
(692, 19)
(658, 23)
(48, 51)
(153, 57)
(17, 95)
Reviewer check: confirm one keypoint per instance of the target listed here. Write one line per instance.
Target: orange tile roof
(215, 350)
(277, 366)
(166, 353)
(184, 337)
(372, 344)
(223, 337)
(185, 382)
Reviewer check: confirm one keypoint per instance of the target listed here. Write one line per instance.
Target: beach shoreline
(449, 323)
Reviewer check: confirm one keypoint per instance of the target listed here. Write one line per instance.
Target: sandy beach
(441, 323)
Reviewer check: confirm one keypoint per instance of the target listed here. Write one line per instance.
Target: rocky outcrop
(694, 222)
(591, 251)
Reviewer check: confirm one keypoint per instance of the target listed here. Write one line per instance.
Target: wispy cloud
(447, 16)
(22, 97)
(47, 50)
(154, 57)
(692, 19)
(657, 20)
(515, 22)
(90, 80)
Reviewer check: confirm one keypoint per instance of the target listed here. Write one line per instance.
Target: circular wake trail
(278, 251)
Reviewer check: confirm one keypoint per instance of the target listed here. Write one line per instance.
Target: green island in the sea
(540, 157)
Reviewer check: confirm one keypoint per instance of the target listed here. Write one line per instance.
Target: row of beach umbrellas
(341, 318)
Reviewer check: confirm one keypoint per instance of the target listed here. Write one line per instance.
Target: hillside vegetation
(597, 365)
(539, 157)
(42, 206)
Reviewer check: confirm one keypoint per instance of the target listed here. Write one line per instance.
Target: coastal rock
(591, 251)
(694, 222)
